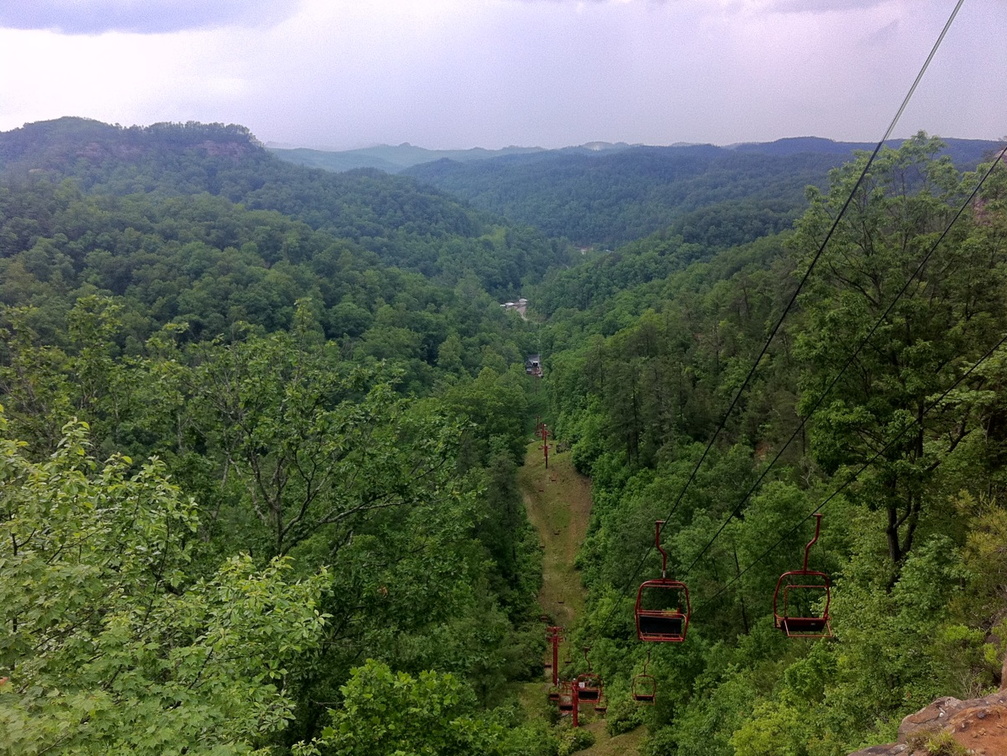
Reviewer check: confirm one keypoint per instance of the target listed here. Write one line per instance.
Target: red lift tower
(544, 432)
(554, 635)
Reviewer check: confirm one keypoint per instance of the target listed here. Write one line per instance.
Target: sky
(453, 74)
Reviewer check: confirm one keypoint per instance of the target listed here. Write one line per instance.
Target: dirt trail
(558, 503)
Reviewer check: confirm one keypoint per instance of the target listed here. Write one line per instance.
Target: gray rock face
(930, 719)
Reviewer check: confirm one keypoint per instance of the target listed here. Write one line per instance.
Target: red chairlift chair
(645, 685)
(662, 605)
(803, 588)
(589, 687)
(565, 700)
(602, 705)
(589, 684)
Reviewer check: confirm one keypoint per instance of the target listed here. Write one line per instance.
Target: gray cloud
(884, 36)
(823, 6)
(141, 16)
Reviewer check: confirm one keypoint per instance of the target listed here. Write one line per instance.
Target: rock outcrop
(979, 724)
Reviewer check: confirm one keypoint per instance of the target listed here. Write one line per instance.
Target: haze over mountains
(398, 158)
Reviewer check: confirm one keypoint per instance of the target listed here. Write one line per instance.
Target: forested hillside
(261, 424)
(257, 485)
(406, 226)
(879, 404)
(613, 197)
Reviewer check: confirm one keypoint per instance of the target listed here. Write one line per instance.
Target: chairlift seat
(804, 624)
(644, 688)
(805, 627)
(662, 625)
(589, 687)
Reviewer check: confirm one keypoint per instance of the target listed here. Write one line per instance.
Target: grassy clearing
(627, 744)
(558, 502)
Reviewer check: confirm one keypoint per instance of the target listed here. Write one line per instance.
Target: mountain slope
(405, 224)
(616, 196)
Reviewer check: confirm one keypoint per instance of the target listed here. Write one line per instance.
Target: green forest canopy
(716, 196)
(258, 484)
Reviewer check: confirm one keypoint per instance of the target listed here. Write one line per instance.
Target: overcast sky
(445, 74)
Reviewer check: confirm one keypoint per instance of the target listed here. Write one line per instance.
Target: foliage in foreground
(433, 714)
(106, 644)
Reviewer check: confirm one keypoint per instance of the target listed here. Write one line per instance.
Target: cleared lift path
(558, 503)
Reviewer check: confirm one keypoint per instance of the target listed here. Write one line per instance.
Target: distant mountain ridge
(612, 198)
(609, 194)
(963, 152)
(393, 159)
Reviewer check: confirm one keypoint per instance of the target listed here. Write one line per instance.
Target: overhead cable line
(854, 476)
(815, 259)
(800, 286)
(849, 361)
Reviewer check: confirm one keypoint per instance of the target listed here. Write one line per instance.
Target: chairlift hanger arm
(813, 541)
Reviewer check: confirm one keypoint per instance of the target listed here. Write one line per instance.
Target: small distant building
(533, 365)
(521, 307)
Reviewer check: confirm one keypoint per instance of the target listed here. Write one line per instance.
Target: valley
(267, 485)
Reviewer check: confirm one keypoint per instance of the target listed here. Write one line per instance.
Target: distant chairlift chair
(645, 685)
(589, 684)
(564, 700)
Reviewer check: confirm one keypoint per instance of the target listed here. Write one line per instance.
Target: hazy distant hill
(386, 157)
(965, 153)
(394, 159)
(616, 196)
